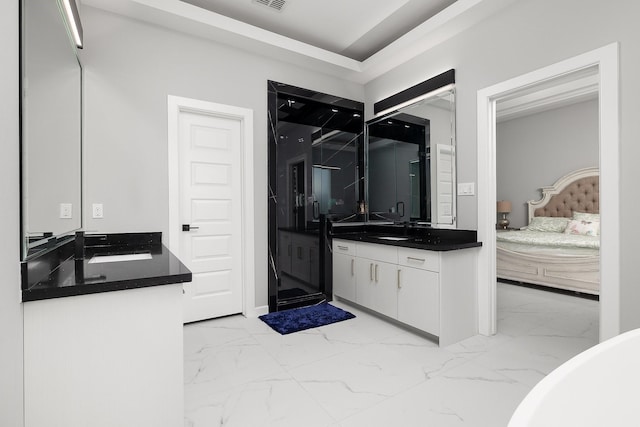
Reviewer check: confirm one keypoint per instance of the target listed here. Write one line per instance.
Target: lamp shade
(504, 206)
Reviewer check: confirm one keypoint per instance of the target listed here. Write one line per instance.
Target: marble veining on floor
(366, 372)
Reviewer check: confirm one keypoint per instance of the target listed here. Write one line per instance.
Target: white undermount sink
(98, 259)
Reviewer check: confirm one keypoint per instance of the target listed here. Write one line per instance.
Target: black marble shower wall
(316, 176)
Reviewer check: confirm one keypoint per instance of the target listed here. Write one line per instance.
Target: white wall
(521, 38)
(534, 151)
(130, 68)
(11, 383)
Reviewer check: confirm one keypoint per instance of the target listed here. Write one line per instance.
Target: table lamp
(504, 207)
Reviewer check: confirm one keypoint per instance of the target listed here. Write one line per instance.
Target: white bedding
(538, 242)
(548, 250)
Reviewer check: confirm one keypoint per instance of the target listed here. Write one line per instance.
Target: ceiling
(578, 86)
(354, 28)
(357, 40)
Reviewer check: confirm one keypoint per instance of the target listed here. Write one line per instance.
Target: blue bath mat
(299, 319)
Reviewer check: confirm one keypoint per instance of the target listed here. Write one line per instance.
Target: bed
(543, 253)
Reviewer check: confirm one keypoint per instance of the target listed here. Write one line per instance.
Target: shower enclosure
(315, 177)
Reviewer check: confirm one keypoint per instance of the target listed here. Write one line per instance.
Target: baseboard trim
(257, 311)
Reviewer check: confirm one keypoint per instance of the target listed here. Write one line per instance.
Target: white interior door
(210, 188)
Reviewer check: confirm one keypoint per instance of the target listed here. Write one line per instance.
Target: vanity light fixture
(334, 110)
(333, 168)
(73, 19)
(414, 100)
(323, 137)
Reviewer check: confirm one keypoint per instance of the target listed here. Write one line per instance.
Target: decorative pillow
(584, 227)
(586, 216)
(547, 223)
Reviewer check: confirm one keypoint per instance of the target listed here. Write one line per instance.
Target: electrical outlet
(66, 210)
(98, 211)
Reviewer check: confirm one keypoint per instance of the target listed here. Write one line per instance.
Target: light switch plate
(66, 210)
(97, 210)
(466, 189)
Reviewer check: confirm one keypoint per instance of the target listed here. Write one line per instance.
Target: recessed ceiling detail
(355, 29)
(342, 36)
(272, 4)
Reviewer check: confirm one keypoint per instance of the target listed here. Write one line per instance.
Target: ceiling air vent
(272, 4)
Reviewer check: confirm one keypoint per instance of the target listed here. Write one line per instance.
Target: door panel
(210, 202)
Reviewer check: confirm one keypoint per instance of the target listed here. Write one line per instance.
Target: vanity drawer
(416, 258)
(344, 247)
(384, 253)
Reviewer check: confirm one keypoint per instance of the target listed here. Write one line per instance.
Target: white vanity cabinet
(433, 291)
(344, 270)
(106, 359)
(376, 271)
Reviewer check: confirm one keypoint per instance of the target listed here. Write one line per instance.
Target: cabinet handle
(343, 248)
(352, 263)
(376, 269)
(399, 284)
(289, 249)
(371, 272)
(410, 258)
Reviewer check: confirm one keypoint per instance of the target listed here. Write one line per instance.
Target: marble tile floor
(366, 372)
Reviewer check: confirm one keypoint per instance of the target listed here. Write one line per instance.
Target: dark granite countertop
(426, 238)
(64, 271)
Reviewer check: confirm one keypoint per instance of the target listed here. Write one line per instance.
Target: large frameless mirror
(51, 81)
(411, 163)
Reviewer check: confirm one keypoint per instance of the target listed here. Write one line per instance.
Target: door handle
(398, 206)
(376, 269)
(399, 284)
(189, 227)
(352, 262)
(371, 272)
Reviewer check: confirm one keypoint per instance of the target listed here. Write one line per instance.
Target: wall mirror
(51, 88)
(410, 162)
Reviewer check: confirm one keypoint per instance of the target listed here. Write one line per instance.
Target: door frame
(606, 59)
(177, 105)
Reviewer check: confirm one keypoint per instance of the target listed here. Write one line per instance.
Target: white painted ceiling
(353, 28)
(357, 40)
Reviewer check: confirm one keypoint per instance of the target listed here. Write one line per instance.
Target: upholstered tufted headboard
(576, 191)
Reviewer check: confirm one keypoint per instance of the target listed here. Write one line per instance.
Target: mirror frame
(31, 247)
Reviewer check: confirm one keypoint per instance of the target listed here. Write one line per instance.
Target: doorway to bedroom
(547, 136)
(605, 60)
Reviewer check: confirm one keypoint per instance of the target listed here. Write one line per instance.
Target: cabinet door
(385, 299)
(285, 250)
(364, 282)
(419, 299)
(376, 286)
(300, 262)
(344, 276)
(314, 263)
